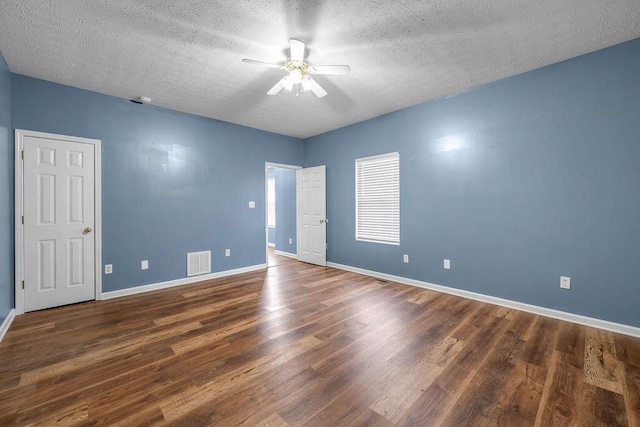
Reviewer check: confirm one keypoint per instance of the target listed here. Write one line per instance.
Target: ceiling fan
(299, 72)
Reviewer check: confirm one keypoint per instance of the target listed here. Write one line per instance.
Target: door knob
(322, 221)
(87, 230)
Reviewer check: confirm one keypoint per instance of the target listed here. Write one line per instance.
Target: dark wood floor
(303, 345)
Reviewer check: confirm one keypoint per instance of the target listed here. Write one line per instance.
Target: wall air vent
(198, 263)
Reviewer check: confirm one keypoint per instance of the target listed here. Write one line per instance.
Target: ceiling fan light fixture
(295, 76)
(288, 84)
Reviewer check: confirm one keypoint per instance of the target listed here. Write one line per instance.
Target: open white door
(59, 220)
(312, 212)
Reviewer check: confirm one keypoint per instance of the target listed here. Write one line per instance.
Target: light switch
(144, 265)
(252, 204)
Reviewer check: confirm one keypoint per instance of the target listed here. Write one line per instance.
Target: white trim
(18, 235)
(268, 165)
(287, 254)
(18, 199)
(180, 282)
(271, 245)
(542, 311)
(280, 165)
(7, 322)
(378, 156)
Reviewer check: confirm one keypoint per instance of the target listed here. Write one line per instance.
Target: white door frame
(268, 165)
(20, 134)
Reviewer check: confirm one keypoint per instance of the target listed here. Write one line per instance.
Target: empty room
(322, 213)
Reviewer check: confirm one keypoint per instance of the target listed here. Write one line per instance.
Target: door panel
(76, 260)
(59, 204)
(46, 265)
(312, 215)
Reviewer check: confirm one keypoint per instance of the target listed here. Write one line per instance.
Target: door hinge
(23, 284)
(23, 219)
(22, 155)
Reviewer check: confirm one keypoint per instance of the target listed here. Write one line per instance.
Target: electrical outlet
(406, 258)
(290, 241)
(447, 264)
(108, 269)
(227, 252)
(144, 265)
(565, 282)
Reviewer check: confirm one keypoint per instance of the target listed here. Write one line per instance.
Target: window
(378, 199)
(271, 202)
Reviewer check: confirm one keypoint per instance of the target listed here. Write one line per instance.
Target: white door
(59, 217)
(312, 212)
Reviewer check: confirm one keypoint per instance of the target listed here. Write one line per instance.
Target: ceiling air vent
(198, 263)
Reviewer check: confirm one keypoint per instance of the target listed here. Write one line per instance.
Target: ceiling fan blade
(316, 88)
(297, 50)
(277, 88)
(329, 69)
(287, 83)
(266, 64)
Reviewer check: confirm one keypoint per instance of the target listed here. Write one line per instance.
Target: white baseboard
(179, 282)
(7, 322)
(287, 254)
(542, 311)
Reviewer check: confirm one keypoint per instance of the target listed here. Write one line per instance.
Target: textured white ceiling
(186, 55)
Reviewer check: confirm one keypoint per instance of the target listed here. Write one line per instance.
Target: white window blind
(271, 202)
(378, 198)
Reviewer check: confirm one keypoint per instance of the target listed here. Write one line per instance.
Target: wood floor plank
(352, 406)
(437, 401)
(104, 353)
(631, 389)
(562, 393)
(273, 420)
(541, 342)
(477, 405)
(190, 399)
(571, 342)
(299, 344)
(601, 407)
(627, 349)
(72, 416)
(601, 366)
(520, 397)
(266, 394)
(404, 391)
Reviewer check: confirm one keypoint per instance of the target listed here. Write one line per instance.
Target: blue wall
(172, 183)
(518, 183)
(285, 210)
(6, 194)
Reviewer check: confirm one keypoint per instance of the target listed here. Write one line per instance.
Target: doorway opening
(280, 213)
